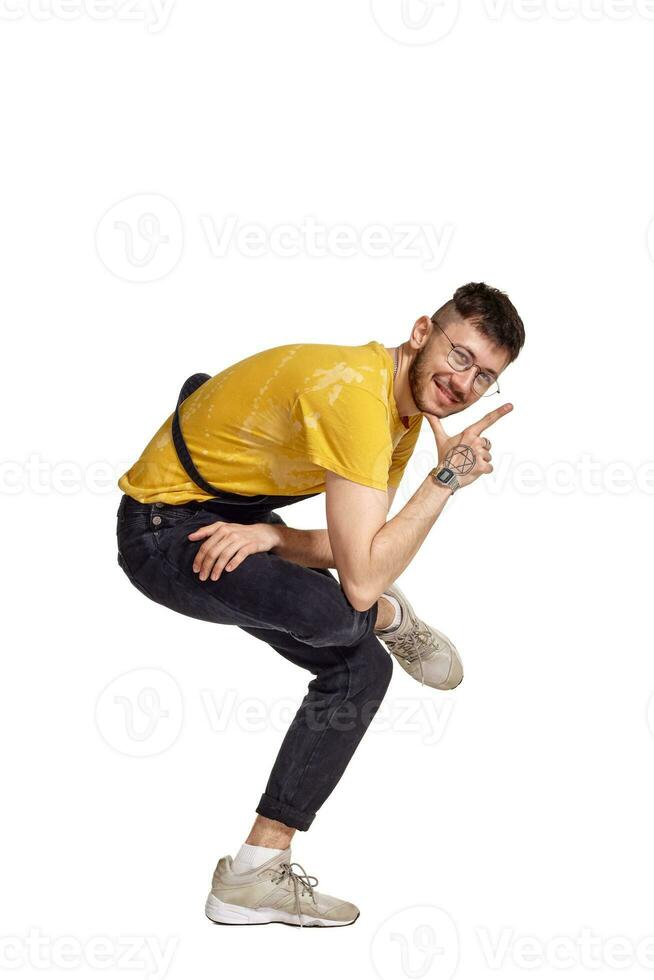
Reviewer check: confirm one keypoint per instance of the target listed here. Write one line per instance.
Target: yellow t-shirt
(274, 422)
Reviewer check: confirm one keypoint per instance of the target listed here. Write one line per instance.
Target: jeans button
(156, 519)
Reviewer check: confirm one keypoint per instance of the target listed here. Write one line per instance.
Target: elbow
(362, 605)
(359, 599)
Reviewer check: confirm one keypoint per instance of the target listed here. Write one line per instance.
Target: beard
(421, 383)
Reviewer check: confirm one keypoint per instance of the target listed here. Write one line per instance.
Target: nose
(461, 382)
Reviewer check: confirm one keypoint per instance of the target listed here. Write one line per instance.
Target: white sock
(397, 619)
(251, 856)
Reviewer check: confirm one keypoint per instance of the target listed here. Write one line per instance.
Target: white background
(521, 136)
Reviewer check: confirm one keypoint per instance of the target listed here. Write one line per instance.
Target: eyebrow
(473, 355)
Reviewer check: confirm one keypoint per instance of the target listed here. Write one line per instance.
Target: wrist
(438, 488)
(444, 477)
(277, 531)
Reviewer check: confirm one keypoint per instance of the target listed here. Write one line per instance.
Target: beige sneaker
(273, 892)
(421, 650)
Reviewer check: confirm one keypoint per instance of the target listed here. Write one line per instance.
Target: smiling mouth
(445, 395)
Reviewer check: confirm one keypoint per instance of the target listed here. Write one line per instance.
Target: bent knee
(345, 628)
(373, 666)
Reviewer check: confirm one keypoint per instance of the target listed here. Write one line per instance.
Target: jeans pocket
(171, 516)
(177, 513)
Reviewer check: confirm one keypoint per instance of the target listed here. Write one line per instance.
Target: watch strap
(444, 476)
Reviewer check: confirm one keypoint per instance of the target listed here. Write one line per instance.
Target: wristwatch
(445, 477)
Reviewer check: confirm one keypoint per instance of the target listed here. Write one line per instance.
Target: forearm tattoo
(461, 459)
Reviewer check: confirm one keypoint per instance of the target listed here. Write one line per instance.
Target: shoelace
(405, 646)
(286, 871)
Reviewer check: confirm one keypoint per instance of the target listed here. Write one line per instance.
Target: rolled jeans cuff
(290, 815)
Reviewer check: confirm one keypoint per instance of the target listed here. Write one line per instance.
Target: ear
(422, 328)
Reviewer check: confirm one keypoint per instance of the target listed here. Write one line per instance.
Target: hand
(468, 453)
(226, 545)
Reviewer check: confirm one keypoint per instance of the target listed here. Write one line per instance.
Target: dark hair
(491, 312)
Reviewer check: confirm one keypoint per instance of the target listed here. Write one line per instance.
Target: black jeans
(301, 612)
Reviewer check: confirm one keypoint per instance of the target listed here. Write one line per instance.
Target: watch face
(445, 475)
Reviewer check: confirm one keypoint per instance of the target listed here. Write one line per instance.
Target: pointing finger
(204, 531)
(477, 427)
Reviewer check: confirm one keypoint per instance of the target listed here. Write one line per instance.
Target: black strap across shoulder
(190, 385)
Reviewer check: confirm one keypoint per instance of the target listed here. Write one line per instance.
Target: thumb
(440, 434)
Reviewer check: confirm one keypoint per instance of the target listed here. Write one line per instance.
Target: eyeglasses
(461, 359)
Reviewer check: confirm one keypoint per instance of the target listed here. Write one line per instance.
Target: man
(197, 533)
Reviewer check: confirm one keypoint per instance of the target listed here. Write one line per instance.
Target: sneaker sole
(224, 914)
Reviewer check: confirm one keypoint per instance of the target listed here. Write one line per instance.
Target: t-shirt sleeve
(345, 431)
(403, 452)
